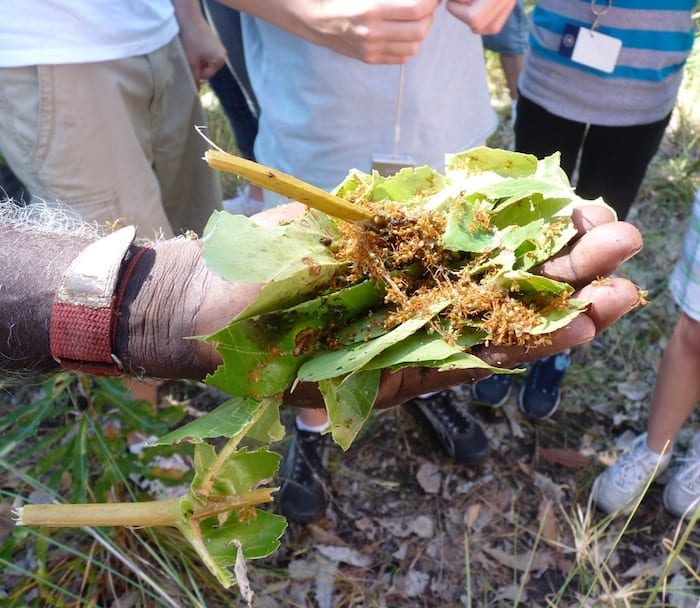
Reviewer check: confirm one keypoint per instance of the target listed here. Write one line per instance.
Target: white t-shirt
(36, 32)
(322, 113)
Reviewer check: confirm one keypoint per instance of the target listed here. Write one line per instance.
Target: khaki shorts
(114, 140)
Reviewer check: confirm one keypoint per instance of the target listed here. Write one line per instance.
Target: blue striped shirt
(657, 37)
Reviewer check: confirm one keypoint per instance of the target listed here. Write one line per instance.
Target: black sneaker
(540, 395)
(493, 391)
(304, 480)
(460, 434)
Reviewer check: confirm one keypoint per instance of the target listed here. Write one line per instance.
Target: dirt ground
(408, 527)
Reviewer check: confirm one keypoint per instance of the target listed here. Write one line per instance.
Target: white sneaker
(682, 493)
(620, 485)
(243, 203)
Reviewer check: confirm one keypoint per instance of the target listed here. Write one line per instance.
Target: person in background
(231, 83)
(511, 44)
(599, 84)
(100, 107)
(381, 85)
(676, 394)
(232, 86)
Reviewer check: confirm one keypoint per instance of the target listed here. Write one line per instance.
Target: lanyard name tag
(589, 47)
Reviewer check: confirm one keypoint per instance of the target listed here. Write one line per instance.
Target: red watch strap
(85, 311)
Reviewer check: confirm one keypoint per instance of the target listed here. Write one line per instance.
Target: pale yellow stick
(288, 186)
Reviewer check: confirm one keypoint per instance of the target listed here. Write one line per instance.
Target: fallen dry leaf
(429, 477)
(548, 522)
(346, 555)
(471, 515)
(566, 457)
(522, 562)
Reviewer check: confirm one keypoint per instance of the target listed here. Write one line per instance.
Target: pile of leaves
(447, 264)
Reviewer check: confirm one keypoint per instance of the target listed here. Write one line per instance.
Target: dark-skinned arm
(172, 295)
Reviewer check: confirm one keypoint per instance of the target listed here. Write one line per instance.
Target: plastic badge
(388, 164)
(589, 47)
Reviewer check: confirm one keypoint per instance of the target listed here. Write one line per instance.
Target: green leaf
(267, 428)
(258, 354)
(233, 418)
(349, 402)
(258, 532)
(262, 355)
(502, 163)
(333, 364)
(407, 184)
(530, 284)
(241, 471)
(469, 361)
(215, 541)
(79, 471)
(421, 348)
(465, 232)
(288, 261)
(556, 319)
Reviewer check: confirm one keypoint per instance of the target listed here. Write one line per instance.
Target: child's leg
(677, 388)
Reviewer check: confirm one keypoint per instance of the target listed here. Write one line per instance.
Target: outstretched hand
(179, 296)
(373, 31)
(172, 294)
(601, 246)
(482, 16)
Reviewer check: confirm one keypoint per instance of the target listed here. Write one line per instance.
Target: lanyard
(598, 13)
(397, 118)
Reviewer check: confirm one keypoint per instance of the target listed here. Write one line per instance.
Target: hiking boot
(304, 480)
(459, 433)
(493, 391)
(620, 485)
(540, 395)
(682, 493)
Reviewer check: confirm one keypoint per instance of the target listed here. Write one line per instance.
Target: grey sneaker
(620, 485)
(682, 493)
(459, 433)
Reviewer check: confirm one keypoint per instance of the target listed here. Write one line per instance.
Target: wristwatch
(87, 305)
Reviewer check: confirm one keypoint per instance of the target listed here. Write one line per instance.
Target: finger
(394, 42)
(589, 216)
(394, 33)
(210, 68)
(596, 254)
(483, 17)
(406, 10)
(609, 300)
(393, 53)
